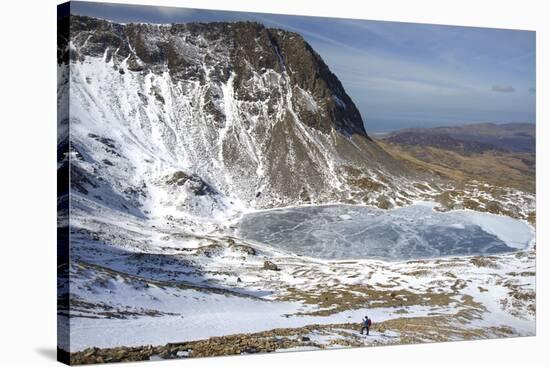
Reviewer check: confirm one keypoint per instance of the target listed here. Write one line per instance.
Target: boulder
(268, 265)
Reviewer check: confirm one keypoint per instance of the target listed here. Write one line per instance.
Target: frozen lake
(359, 232)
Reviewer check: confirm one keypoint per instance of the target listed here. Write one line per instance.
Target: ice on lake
(360, 232)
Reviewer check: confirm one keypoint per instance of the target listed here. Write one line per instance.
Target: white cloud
(174, 13)
(502, 88)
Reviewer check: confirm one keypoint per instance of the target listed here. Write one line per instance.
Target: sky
(398, 74)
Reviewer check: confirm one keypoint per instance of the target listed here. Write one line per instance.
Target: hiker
(366, 325)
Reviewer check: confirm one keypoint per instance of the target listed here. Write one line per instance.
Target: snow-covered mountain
(205, 117)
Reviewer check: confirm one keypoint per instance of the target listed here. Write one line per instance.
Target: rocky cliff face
(213, 53)
(251, 113)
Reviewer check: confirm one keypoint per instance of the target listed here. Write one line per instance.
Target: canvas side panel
(63, 184)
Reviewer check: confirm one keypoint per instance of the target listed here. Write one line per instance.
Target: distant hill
(503, 155)
(473, 138)
(440, 140)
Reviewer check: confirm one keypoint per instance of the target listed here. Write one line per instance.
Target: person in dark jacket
(366, 325)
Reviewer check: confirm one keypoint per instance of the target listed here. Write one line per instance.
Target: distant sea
(381, 126)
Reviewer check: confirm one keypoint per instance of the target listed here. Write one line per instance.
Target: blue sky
(398, 74)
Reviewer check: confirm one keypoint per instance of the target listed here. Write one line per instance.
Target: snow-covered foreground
(159, 315)
(181, 287)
